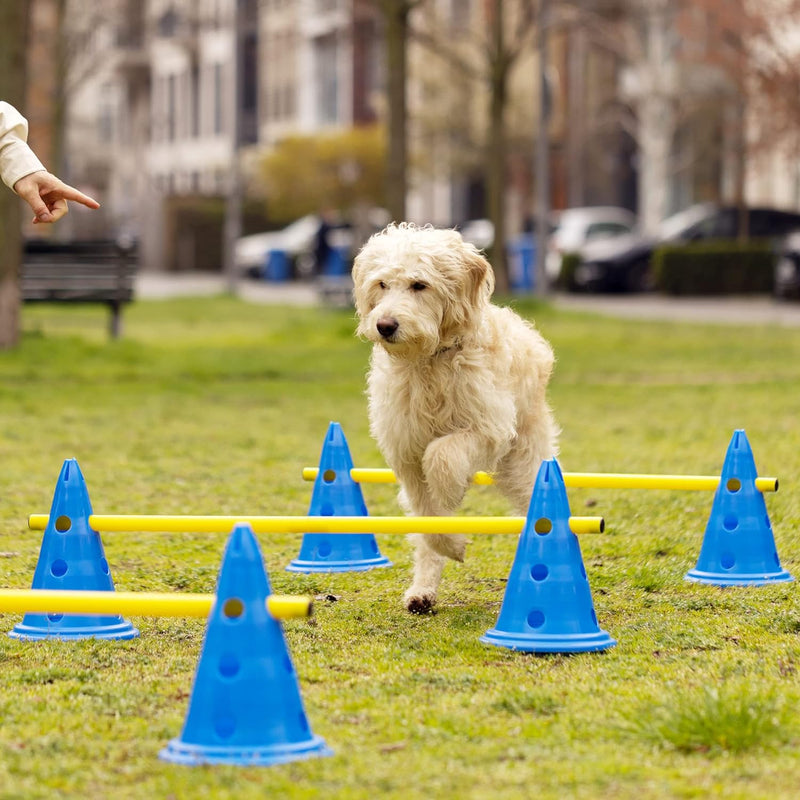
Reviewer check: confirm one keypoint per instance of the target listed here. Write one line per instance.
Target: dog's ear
(480, 277)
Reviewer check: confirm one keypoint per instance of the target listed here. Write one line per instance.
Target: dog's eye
(381, 284)
(417, 286)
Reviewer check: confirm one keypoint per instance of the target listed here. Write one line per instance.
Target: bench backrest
(81, 272)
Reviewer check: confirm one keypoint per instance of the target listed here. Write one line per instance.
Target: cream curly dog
(456, 384)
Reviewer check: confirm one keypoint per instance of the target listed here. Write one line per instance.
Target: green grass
(213, 406)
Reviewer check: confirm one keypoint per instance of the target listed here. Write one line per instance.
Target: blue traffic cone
(548, 606)
(738, 547)
(72, 557)
(245, 706)
(337, 494)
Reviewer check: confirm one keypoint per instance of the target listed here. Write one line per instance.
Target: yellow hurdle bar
(577, 480)
(116, 523)
(141, 604)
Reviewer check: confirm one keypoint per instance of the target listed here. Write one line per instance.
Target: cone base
(120, 630)
(178, 752)
(555, 643)
(360, 565)
(724, 579)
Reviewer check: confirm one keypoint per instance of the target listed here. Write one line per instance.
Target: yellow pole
(144, 604)
(578, 480)
(223, 524)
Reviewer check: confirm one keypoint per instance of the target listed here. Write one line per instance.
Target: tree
(395, 15)
(13, 37)
(304, 174)
(488, 53)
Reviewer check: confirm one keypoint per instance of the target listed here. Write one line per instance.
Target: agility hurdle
(163, 523)
(142, 604)
(572, 480)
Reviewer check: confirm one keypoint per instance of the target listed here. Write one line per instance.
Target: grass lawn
(212, 406)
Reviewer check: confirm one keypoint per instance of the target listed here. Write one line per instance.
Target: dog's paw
(419, 602)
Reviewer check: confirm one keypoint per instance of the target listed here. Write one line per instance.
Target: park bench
(80, 272)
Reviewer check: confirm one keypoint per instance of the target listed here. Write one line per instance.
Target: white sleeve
(16, 159)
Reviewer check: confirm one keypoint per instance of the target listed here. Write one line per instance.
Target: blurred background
(201, 123)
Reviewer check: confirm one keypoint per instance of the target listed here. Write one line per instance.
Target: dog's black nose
(387, 327)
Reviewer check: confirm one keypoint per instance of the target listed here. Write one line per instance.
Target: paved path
(716, 310)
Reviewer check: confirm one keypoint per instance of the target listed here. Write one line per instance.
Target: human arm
(22, 171)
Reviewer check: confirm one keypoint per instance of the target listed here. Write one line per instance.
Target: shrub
(714, 268)
(566, 278)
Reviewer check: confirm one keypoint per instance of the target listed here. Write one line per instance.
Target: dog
(456, 384)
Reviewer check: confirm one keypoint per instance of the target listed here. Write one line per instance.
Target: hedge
(717, 267)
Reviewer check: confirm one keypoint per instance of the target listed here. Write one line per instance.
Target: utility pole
(542, 155)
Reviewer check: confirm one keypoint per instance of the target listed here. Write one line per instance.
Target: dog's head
(419, 290)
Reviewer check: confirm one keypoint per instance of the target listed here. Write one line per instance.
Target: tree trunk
(496, 156)
(395, 13)
(13, 36)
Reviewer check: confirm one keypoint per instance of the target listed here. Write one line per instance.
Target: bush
(566, 278)
(714, 268)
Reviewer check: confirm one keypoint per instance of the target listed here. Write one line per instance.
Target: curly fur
(456, 384)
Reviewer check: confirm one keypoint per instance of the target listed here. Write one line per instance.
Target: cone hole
(373, 546)
(228, 665)
(543, 526)
(225, 726)
(539, 572)
(287, 664)
(55, 617)
(304, 726)
(233, 608)
(536, 618)
(329, 476)
(58, 569)
(733, 485)
(324, 549)
(727, 560)
(63, 524)
(326, 510)
(730, 522)
(104, 568)
(777, 560)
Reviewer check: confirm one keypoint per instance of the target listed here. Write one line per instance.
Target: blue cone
(337, 494)
(245, 707)
(548, 606)
(72, 557)
(738, 546)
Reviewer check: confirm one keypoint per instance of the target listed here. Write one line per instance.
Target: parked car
(570, 230)
(623, 263)
(574, 228)
(295, 241)
(787, 267)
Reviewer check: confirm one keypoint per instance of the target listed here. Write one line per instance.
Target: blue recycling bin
(522, 263)
(337, 262)
(277, 267)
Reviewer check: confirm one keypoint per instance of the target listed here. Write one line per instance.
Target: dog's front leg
(448, 465)
(430, 550)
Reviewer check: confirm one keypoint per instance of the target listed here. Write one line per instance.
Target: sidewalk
(704, 310)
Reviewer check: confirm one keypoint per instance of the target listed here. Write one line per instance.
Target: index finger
(71, 193)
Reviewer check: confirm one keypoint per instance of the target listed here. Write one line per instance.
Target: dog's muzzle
(387, 327)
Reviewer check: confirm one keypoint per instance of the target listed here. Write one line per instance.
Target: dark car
(787, 268)
(623, 264)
